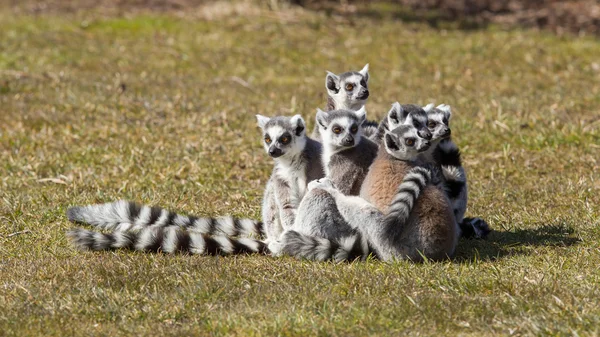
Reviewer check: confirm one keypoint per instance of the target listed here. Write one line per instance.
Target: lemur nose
(348, 140)
(425, 134)
(275, 152)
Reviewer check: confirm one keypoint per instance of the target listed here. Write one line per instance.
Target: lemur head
(438, 121)
(409, 114)
(349, 90)
(404, 143)
(341, 128)
(283, 137)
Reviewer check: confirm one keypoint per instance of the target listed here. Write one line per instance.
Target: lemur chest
(295, 178)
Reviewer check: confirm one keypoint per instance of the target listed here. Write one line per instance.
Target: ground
(99, 105)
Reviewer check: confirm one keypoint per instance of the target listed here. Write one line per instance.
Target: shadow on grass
(501, 244)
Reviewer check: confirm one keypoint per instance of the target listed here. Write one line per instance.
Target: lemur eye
(349, 86)
(337, 130)
(431, 124)
(268, 140)
(410, 141)
(354, 128)
(284, 140)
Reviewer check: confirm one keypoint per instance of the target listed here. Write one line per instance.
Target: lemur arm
(287, 203)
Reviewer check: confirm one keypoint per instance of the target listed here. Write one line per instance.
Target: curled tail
(128, 215)
(407, 194)
(321, 249)
(165, 239)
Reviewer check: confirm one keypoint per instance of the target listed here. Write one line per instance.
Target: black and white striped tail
(320, 249)
(167, 240)
(126, 215)
(408, 192)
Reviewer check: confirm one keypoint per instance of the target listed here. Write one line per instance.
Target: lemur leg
(317, 217)
(270, 214)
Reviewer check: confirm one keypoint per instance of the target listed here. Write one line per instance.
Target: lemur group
(394, 189)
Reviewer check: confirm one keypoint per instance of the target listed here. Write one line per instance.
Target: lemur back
(346, 91)
(347, 155)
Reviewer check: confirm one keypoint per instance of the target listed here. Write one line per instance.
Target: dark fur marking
(155, 213)
(134, 211)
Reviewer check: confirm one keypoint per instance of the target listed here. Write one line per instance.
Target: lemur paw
(475, 228)
(323, 183)
(276, 248)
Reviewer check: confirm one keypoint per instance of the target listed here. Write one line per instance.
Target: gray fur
(347, 155)
(338, 97)
(130, 216)
(297, 162)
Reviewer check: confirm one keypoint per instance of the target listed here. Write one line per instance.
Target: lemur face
(438, 122)
(341, 128)
(349, 89)
(409, 114)
(283, 137)
(404, 143)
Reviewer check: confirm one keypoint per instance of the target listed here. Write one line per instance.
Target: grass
(159, 108)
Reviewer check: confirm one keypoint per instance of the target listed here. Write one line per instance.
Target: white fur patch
(170, 239)
(181, 220)
(162, 219)
(224, 244)
(123, 227)
(146, 238)
(225, 225)
(143, 218)
(197, 243)
(201, 225)
(250, 243)
(100, 241)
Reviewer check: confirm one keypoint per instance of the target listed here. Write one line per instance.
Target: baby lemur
(410, 218)
(347, 155)
(347, 91)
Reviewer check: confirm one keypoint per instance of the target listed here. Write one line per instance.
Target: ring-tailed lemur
(297, 161)
(404, 114)
(170, 239)
(446, 154)
(347, 155)
(348, 91)
(417, 222)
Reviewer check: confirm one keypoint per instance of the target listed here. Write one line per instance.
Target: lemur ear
(445, 108)
(365, 72)
(262, 121)
(428, 107)
(298, 124)
(332, 83)
(322, 119)
(391, 142)
(361, 114)
(396, 114)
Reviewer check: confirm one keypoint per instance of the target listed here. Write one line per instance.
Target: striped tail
(320, 249)
(167, 240)
(408, 192)
(127, 215)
